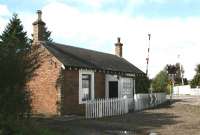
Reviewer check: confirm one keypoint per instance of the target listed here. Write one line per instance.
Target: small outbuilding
(69, 76)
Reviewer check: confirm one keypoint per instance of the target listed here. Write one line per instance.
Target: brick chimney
(118, 48)
(38, 28)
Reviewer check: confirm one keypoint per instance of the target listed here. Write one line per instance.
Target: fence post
(106, 107)
(100, 108)
(126, 104)
(86, 111)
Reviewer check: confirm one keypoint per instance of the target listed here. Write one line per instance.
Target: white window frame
(89, 72)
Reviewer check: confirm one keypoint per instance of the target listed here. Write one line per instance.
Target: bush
(160, 82)
(142, 84)
(23, 128)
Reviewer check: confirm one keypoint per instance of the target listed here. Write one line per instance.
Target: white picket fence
(106, 107)
(145, 101)
(99, 108)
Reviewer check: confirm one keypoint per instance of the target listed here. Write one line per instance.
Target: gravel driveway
(182, 117)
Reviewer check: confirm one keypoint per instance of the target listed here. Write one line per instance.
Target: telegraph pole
(147, 59)
(181, 73)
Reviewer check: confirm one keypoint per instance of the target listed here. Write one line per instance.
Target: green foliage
(142, 84)
(47, 35)
(160, 82)
(14, 34)
(23, 128)
(17, 63)
(14, 99)
(178, 72)
(179, 75)
(196, 79)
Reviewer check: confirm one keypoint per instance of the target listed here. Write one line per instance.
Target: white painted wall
(126, 90)
(122, 91)
(110, 78)
(185, 90)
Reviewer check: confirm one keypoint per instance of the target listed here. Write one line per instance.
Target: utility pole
(181, 73)
(147, 59)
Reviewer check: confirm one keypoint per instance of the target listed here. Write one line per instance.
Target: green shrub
(23, 128)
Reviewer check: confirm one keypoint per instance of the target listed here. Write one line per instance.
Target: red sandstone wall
(45, 94)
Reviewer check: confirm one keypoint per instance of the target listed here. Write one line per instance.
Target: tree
(179, 75)
(160, 82)
(177, 71)
(196, 79)
(47, 35)
(15, 65)
(142, 84)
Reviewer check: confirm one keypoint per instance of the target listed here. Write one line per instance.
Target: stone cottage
(68, 76)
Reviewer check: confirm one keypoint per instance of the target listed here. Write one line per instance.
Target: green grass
(24, 128)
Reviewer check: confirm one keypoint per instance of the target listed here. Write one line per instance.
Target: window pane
(85, 84)
(86, 87)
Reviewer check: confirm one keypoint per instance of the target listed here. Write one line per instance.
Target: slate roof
(72, 56)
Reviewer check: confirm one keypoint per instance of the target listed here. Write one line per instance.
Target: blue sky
(147, 8)
(95, 24)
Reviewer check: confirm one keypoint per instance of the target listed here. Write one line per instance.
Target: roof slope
(83, 58)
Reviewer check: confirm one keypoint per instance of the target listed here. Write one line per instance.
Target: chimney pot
(118, 48)
(118, 39)
(39, 12)
(38, 28)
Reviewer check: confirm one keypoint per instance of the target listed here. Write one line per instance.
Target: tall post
(147, 59)
(134, 89)
(181, 74)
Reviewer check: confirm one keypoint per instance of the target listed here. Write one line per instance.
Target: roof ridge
(86, 58)
(77, 58)
(86, 49)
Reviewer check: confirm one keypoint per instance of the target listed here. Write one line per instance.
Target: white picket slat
(106, 107)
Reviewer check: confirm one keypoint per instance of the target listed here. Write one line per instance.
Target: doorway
(113, 89)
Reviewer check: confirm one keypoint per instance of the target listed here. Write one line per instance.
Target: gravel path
(182, 117)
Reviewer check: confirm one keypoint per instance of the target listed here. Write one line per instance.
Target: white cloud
(99, 30)
(139, 2)
(4, 12)
(93, 3)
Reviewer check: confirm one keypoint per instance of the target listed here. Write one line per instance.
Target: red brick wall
(46, 95)
(70, 93)
(99, 85)
(43, 86)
